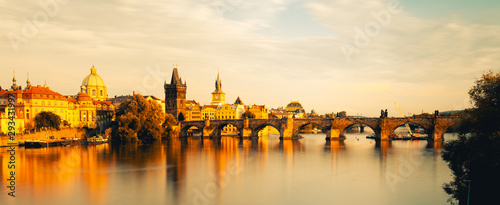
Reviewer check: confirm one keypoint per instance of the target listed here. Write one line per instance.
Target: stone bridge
(289, 128)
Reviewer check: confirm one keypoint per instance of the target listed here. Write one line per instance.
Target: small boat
(95, 140)
(42, 143)
(409, 137)
(20, 143)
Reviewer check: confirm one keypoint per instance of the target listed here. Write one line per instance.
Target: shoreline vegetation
(141, 120)
(474, 157)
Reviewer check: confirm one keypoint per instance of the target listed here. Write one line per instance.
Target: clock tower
(218, 97)
(175, 96)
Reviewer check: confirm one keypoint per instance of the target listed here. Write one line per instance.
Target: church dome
(94, 86)
(93, 79)
(294, 106)
(83, 97)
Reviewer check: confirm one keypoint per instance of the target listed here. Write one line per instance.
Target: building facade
(76, 111)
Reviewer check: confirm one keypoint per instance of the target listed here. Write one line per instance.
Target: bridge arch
(219, 128)
(185, 129)
(427, 130)
(427, 124)
(358, 124)
(361, 123)
(301, 126)
(258, 128)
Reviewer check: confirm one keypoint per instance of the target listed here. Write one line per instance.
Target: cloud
(123, 38)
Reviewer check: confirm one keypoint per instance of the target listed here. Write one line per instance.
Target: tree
(248, 114)
(47, 120)
(66, 123)
(474, 157)
(168, 125)
(139, 119)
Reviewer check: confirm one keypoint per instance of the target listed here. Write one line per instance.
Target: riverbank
(67, 133)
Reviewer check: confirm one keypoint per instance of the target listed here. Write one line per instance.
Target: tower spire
(28, 83)
(14, 84)
(175, 77)
(218, 83)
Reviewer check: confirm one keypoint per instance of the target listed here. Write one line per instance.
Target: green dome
(93, 79)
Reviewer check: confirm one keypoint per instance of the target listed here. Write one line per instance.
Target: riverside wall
(68, 133)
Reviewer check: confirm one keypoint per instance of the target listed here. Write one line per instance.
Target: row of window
(49, 103)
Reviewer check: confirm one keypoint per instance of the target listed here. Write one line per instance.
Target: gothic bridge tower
(175, 96)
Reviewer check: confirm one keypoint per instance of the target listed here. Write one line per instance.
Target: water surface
(232, 171)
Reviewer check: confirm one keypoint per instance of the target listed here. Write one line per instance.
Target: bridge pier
(286, 132)
(333, 134)
(437, 135)
(246, 133)
(207, 130)
(385, 129)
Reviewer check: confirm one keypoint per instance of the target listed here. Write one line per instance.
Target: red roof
(40, 92)
(191, 102)
(210, 106)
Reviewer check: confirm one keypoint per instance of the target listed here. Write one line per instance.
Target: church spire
(218, 83)
(14, 81)
(28, 83)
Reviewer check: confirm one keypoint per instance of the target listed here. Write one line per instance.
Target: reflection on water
(231, 171)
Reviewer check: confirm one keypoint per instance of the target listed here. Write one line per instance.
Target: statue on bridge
(383, 114)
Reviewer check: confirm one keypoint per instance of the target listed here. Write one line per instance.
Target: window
(43, 102)
(93, 92)
(62, 104)
(61, 111)
(36, 102)
(50, 103)
(36, 109)
(101, 93)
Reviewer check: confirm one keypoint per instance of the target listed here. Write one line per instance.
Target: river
(231, 171)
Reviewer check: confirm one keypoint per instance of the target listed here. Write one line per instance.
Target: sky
(331, 55)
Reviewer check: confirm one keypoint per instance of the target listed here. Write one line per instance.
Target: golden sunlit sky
(331, 55)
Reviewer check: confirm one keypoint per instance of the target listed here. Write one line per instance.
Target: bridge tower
(218, 97)
(175, 96)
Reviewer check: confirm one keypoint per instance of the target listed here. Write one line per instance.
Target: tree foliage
(47, 120)
(139, 119)
(168, 124)
(474, 158)
(248, 114)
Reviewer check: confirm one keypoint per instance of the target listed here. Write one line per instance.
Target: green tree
(474, 158)
(139, 119)
(47, 120)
